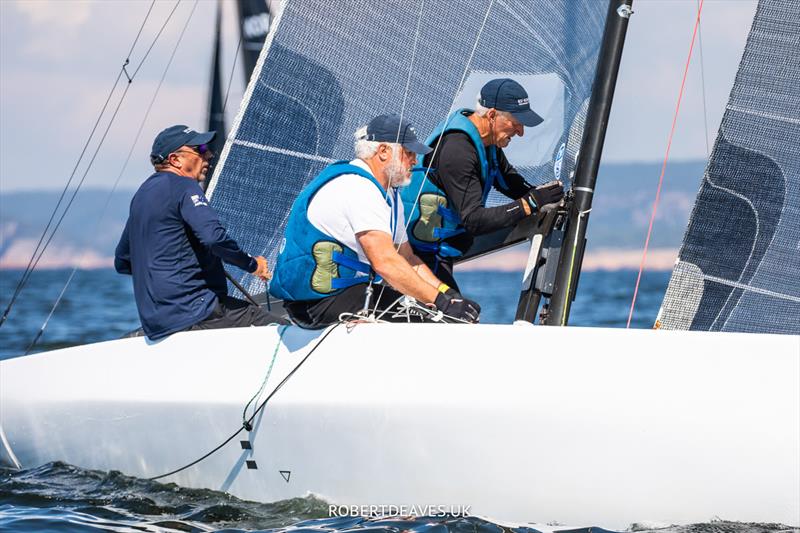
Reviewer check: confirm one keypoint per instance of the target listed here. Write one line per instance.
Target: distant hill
(617, 228)
(81, 238)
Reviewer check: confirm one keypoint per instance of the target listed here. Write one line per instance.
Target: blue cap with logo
(392, 129)
(505, 94)
(174, 137)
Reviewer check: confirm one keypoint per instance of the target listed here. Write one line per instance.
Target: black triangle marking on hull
(286, 474)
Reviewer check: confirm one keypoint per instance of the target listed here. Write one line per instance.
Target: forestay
(739, 266)
(328, 67)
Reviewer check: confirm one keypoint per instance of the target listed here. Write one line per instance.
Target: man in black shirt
(446, 210)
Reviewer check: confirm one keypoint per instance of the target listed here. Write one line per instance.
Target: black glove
(452, 293)
(549, 193)
(460, 307)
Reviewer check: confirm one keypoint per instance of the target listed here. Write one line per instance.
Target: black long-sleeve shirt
(458, 173)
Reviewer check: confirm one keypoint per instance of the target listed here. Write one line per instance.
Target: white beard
(397, 175)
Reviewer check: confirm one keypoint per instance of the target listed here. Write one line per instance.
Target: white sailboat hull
(576, 425)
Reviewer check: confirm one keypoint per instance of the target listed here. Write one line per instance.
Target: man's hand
(262, 270)
(458, 307)
(549, 193)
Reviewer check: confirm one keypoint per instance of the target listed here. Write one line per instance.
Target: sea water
(99, 306)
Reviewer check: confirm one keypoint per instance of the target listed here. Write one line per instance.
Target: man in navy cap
(174, 244)
(447, 208)
(346, 230)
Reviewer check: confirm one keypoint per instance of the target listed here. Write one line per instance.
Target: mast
(216, 111)
(571, 257)
(254, 22)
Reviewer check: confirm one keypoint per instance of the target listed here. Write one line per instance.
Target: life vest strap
(446, 233)
(353, 264)
(440, 249)
(344, 283)
(448, 214)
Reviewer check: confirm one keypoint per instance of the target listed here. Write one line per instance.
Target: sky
(59, 59)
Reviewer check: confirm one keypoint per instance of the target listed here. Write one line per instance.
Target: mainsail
(326, 69)
(739, 266)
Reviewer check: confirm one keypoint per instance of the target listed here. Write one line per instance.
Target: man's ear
(384, 152)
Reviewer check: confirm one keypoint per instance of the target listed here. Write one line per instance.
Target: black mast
(571, 257)
(254, 22)
(216, 112)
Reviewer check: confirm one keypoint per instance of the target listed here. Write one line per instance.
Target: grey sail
(739, 266)
(328, 67)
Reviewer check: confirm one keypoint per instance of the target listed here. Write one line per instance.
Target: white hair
(479, 109)
(365, 149)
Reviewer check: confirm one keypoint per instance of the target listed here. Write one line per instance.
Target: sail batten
(739, 266)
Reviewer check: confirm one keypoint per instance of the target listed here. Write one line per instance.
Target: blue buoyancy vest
(312, 265)
(430, 218)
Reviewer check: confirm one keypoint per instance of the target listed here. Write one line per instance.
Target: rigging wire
(117, 180)
(99, 146)
(455, 96)
(703, 82)
(38, 253)
(249, 421)
(230, 77)
(29, 268)
(397, 137)
(664, 165)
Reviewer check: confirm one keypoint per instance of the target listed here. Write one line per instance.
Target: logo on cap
(523, 101)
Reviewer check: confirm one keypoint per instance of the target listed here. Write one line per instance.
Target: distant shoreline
(602, 259)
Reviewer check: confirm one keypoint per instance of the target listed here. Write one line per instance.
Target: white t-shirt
(350, 204)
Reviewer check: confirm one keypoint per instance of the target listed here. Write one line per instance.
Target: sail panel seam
(763, 115)
(750, 288)
(283, 151)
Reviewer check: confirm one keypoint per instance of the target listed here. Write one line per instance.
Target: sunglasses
(201, 149)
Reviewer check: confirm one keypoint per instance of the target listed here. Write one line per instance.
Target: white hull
(576, 425)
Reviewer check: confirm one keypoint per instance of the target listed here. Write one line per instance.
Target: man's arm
(531, 198)
(422, 270)
(516, 185)
(391, 266)
(205, 224)
(122, 255)
(458, 173)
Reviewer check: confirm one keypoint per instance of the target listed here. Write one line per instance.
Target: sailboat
(520, 423)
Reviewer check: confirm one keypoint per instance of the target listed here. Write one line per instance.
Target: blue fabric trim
(344, 283)
(349, 262)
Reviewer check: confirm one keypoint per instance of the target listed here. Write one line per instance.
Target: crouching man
(347, 226)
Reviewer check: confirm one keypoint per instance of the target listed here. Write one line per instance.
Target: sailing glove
(549, 193)
(458, 307)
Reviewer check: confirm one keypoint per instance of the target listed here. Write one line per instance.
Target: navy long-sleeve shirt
(173, 245)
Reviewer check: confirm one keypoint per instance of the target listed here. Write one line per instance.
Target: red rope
(664, 165)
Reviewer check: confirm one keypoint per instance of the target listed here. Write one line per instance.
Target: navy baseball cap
(391, 129)
(504, 94)
(174, 137)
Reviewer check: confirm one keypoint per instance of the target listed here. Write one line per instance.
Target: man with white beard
(347, 228)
